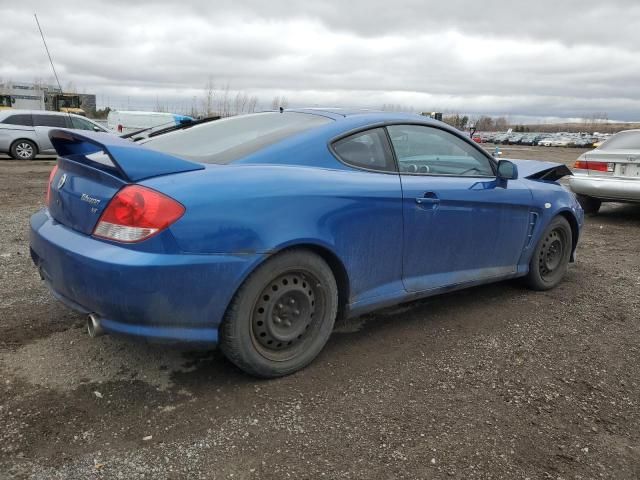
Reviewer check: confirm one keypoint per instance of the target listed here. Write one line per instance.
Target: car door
(42, 123)
(461, 223)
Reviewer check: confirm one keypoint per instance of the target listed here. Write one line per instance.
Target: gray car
(25, 133)
(610, 173)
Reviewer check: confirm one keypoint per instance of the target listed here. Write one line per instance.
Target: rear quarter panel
(250, 209)
(11, 133)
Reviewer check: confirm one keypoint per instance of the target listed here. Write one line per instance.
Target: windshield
(623, 141)
(224, 141)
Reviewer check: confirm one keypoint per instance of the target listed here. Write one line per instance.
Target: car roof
(16, 111)
(363, 117)
(337, 113)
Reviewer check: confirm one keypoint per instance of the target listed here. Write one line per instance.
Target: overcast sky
(545, 58)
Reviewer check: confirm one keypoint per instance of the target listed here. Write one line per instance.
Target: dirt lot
(492, 382)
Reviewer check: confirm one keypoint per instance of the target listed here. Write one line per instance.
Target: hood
(537, 170)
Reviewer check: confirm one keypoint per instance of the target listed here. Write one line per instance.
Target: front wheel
(550, 259)
(282, 316)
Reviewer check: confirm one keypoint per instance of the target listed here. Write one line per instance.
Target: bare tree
(224, 102)
(240, 103)
(279, 102)
(253, 104)
(501, 124)
(209, 97)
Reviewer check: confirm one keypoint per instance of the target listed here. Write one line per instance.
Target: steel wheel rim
(552, 253)
(287, 314)
(24, 150)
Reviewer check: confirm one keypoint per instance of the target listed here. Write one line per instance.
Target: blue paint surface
(178, 284)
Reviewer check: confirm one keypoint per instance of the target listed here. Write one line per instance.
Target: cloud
(566, 59)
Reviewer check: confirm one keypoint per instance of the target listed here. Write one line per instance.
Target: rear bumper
(175, 297)
(606, 188)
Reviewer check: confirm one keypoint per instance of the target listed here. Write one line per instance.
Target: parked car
(256, 232)
(501, 138)
(583, 142)
(25, 133)
(562, 142)
(610, 173)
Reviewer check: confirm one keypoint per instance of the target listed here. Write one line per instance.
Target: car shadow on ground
(355, 336)
(623, 213)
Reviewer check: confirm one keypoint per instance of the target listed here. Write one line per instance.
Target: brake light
(596, 166)
(137, 213)
(51, 175)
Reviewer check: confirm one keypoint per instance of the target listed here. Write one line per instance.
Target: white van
(128, 121)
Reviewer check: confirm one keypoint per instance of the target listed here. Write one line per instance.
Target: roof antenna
(281, 110)
(55, 74)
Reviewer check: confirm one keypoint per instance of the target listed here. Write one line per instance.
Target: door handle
(429, 198)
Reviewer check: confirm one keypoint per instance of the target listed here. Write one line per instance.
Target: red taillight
(137, 213)
(51, 175)
(596, 166)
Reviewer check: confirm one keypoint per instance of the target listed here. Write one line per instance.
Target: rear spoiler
(122, 158)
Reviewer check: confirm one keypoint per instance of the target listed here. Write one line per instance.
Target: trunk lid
(620, 163)
(92, 167)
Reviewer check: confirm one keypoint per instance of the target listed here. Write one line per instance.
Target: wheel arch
(323, 251)
(575, 229)
(25, 139)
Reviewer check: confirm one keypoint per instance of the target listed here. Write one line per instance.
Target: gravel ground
(491, 382)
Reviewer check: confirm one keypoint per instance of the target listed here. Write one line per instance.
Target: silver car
(25, 133)
(610, 173)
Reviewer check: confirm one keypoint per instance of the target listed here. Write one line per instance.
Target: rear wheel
(550, 259)
(589, 204)
(282, 316)
(24, 150)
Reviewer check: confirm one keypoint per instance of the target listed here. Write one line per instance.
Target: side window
(81, 124)
(369, 150)
(22, 119)
(432, 151)
(58, 121)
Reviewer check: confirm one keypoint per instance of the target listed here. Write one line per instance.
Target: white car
(562, 142)
(610, 173)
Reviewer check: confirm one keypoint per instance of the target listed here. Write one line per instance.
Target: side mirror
(97, 129)
(507, 170)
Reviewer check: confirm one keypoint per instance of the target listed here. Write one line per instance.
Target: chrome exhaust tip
(94, 327)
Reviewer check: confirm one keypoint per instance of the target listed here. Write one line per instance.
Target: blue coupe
(256, 232)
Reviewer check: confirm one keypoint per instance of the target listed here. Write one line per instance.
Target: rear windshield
(622, 141)
(226, 140)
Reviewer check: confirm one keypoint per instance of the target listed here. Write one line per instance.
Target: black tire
(23, 150)
(282, 316)
(590, 205)
(550, 259)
